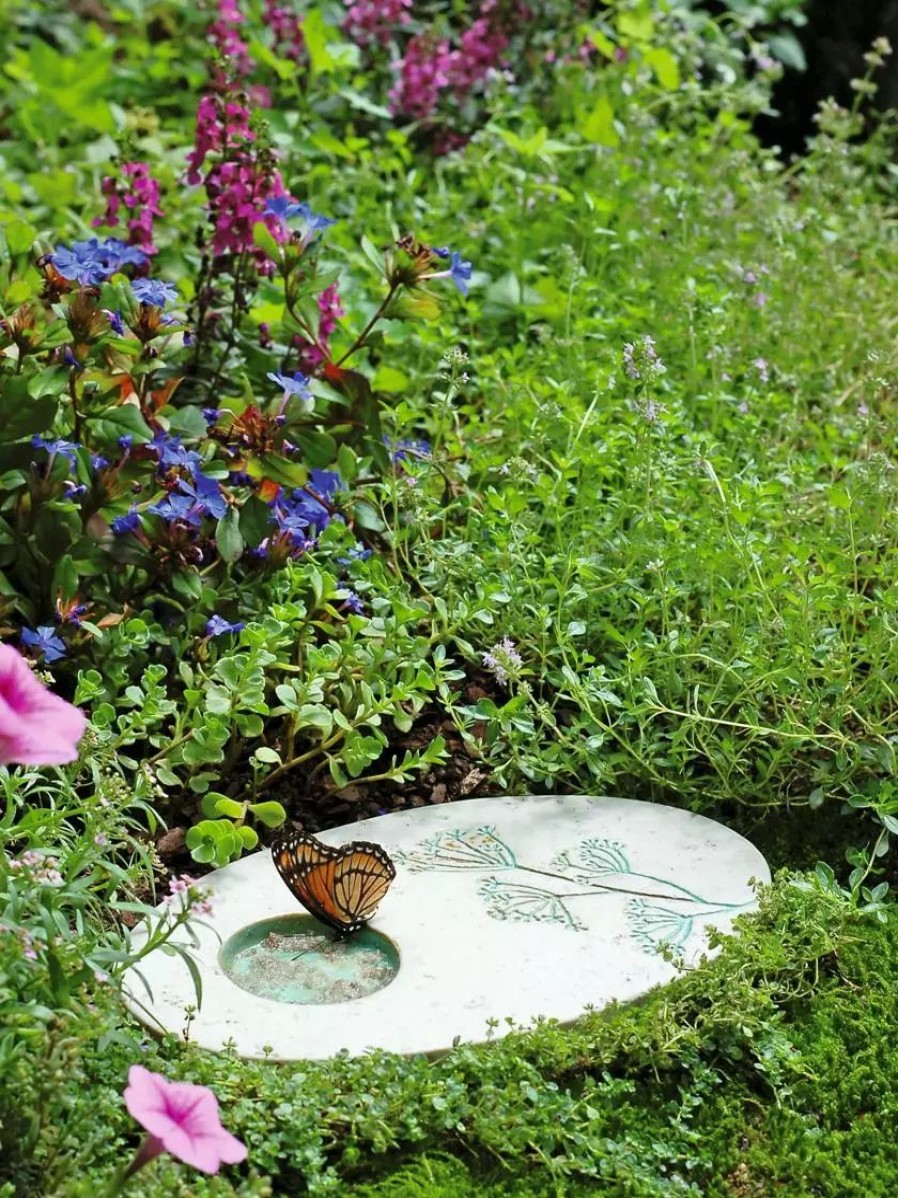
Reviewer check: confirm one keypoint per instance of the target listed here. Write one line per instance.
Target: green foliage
(656, 495)
(645, 1100)
(304, 687)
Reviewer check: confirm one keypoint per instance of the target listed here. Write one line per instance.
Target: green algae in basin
(295, 959)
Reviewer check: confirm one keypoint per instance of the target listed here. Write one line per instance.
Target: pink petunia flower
(36, 726)
(182, 1119)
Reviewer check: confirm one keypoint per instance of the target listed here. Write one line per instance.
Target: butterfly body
(342, 887)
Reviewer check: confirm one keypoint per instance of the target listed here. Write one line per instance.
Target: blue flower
(295, 384)
(119, 253)
(282, 207)
(358, 553)
(217, 625)
(126, 441)
(98, 462)
(211, 415)
(69, 359)
(285, 209)
(70, 613)
(115, 321)
(325, 482)
(65, 448)
(130, 522)
(174, 507)
(411, 447)
(459, 270)
(86, 262)
(351, 602)
(206, 494)
(154, 292)
(90, 262)
(315, 223)
(172, 455)
(45, 641)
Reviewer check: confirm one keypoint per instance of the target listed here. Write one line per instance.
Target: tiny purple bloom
(217, 625)
(352, 603)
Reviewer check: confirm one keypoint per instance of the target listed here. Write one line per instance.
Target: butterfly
(342, 887)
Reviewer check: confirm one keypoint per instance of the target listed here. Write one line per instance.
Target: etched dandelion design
(527, 904)
(480, 848)
(592, 864)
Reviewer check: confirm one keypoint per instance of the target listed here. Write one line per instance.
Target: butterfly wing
(361, 880)
(341, 887)
(307, 866)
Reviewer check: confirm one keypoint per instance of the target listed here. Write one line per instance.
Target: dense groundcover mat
(407, 401)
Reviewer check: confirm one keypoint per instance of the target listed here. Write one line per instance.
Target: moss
(808, 1115)
(769, 1069)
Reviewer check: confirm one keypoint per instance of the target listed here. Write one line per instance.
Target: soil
(313, 804)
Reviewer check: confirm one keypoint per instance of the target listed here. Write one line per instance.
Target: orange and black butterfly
(342, 887)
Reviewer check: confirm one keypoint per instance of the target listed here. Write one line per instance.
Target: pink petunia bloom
(182, 1119)
(36, 726)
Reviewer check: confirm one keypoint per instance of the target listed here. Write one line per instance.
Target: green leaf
(228, 537)
(347, 463)
(366, 517)
(107, 426)
(315, 36)
(264, 239)
(666, 68)
(52, 381)
(598, 126)
(373, 254)
(19, 236)
(279, 470)
(65, 578)
(192, 966)
(416, 304)
(269, 813)
(188, 421)
(228, 807)
(636, 26)
(20, 414)
(255, 520)
(318, 448)
(249, 837)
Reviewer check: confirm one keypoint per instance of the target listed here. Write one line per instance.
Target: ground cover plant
(403, 402)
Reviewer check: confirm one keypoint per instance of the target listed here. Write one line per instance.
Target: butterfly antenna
(305, 952)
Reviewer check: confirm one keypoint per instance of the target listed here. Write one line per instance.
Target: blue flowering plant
(130, 476)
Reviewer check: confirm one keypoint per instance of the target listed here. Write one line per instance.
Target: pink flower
(182, 1119)
(36, 726)
(139, 192)
(375, 20)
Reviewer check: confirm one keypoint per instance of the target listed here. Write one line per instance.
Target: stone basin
(503, 910)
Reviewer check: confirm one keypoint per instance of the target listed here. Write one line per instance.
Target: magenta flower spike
(182, 1120)
(36, 726)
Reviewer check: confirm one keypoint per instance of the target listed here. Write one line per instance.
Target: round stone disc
(502, 910)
